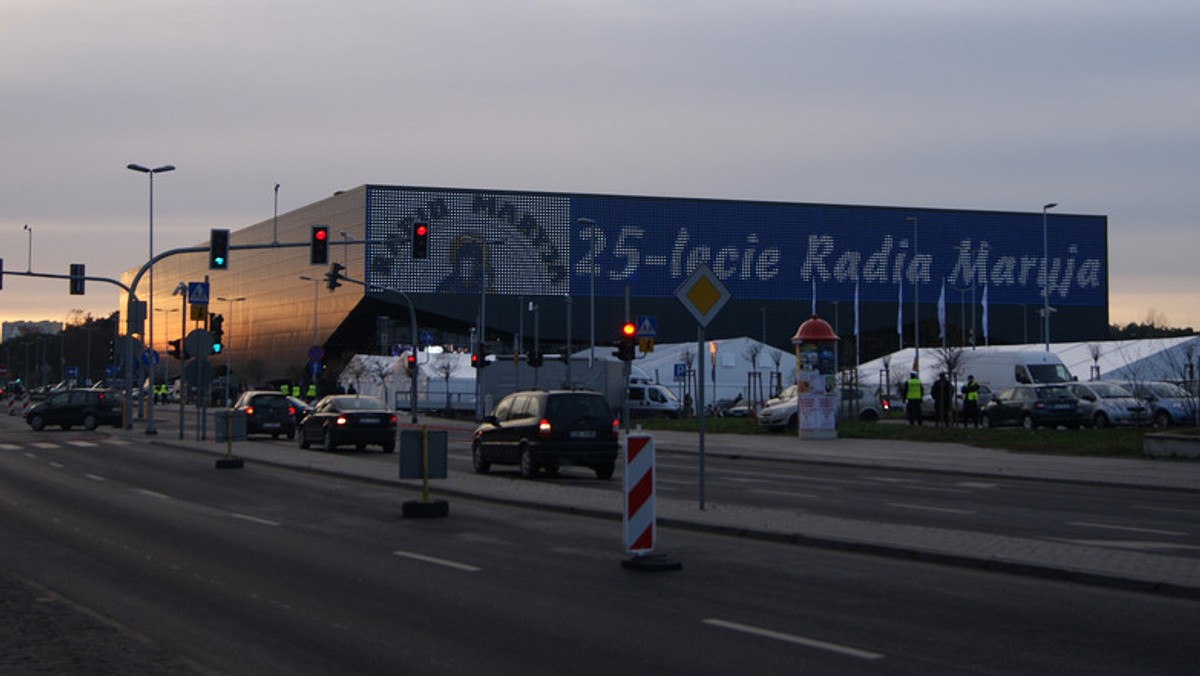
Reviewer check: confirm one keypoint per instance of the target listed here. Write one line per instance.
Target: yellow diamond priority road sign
(703, 295)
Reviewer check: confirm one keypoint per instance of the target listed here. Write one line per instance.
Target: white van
(651, 400)
(1001, 369)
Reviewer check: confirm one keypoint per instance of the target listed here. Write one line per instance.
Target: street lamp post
(1046, 275)
(229, 344)
(150, 429)
(29, 260)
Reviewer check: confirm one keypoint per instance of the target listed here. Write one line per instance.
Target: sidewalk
(1094, 565)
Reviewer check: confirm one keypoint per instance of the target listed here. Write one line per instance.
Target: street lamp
(29, 260)
(591, 224)
(150, 429)
(229, 342)
(1046, 274)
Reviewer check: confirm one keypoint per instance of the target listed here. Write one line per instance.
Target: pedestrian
(943, 399)
(970, 392)
(914, 391)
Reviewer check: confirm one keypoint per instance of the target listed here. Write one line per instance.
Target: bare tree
(355, 370)
(444, 366)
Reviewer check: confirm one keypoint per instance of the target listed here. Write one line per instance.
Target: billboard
(532, 243)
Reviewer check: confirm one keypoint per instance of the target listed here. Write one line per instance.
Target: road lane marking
(95, 477)
(1130, 529)
(45, 445)
(976, 484)
(83, 444)
(788, 494)
(791, 638)
(945, 510)
(255, 519)
(10, 447)
(57, 465)
(438, 562)
(1136, 545)
(153, 494)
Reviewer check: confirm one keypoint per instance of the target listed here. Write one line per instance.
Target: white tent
(726, 376)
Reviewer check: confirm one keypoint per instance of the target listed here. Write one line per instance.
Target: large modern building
(532, 265)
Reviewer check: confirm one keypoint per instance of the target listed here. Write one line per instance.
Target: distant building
(11, 330)
(539, 255)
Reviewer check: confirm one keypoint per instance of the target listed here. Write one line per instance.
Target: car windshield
(573, 408)
(1108, 391)
(1056, 392)
(1049, 373)
(360, 404)
(1167, 390)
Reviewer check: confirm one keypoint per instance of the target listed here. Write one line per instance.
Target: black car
(548, 429)
(1032, 406)
(88, 408)
(349, 420)
(267, 412)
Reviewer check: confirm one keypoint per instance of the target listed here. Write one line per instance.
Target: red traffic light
(628, 330)
(422, 230)
(320, 234)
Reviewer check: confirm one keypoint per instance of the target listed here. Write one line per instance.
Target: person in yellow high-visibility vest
(914, 391)
(970, 392)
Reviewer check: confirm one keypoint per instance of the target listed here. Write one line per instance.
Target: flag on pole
(985, 315)
(942, 313)
(856, 307)
(900, 313)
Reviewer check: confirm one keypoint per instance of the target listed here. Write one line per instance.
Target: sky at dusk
(964, 104)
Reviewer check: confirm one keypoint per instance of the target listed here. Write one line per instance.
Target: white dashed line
(436, 561)
(798, 640)
(95, 477)
(1129, 529)
(944, 510)
(254, 519)
(153, 494)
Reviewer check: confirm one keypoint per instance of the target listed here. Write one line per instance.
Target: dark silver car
(1032, 406)
(86, 408)
(348, 420)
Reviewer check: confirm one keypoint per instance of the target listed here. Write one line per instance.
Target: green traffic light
(217, 348)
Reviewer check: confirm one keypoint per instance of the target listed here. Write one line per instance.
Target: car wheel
(291, 435)
(1100, 420)
(985, 421)
(1027, 422)
(528, 469)
(327, 440)
(90, 423)
(868, 415)
(1162, 419)
(37, 422)
(481, 466)
(605, 470)
(793, 423)
(303, 441)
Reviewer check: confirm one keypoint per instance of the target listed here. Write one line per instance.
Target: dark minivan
(540, 429)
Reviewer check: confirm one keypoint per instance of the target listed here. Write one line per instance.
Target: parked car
(267, 412)
(1166, 403)
(349, 419)
(1032, 406)
(88, 408)
(538, 429)
(857, 403)
(1102, 404)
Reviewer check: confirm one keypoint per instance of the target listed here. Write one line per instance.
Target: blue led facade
(535, 245)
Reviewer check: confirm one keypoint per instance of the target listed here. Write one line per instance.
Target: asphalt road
(268, 570)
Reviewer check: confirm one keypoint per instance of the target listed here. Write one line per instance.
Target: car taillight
(341, 420)
(392, 421)
(543, 428)
(616, 428)
(249, 410)
(291, 410)
(886, 405)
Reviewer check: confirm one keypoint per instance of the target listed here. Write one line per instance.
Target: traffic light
(334, 275)
(420, 240)
(479, 358)
(77, 279)
(216, 326)
(218, 249)
(411, 361)
(318, 239)
(626, 346)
